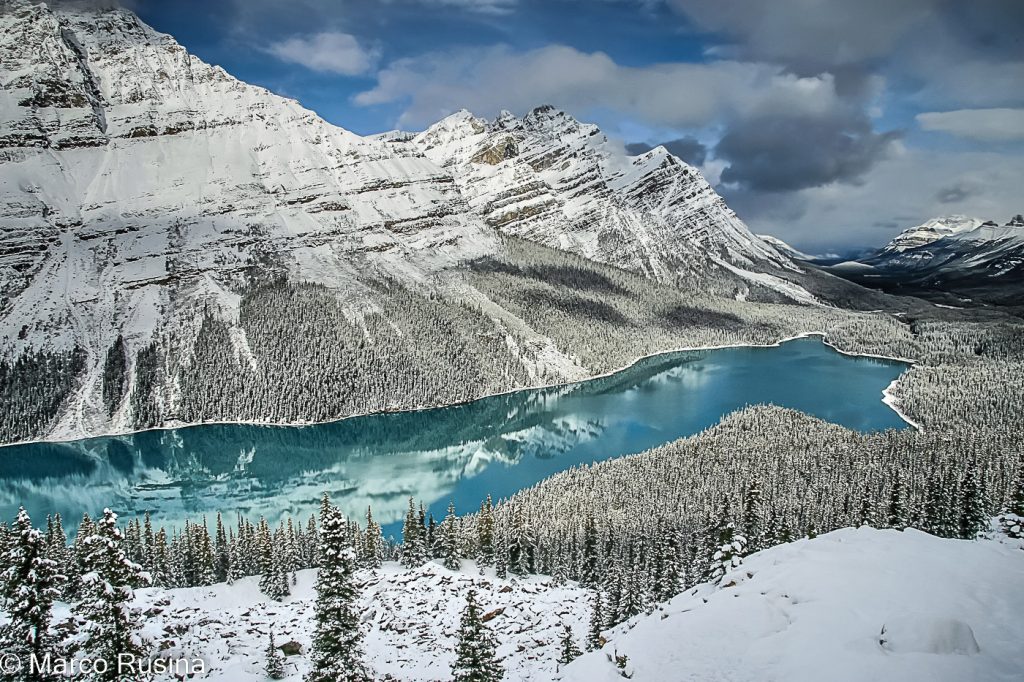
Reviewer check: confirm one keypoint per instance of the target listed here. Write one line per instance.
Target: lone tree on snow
(475, 658)
(337, 642)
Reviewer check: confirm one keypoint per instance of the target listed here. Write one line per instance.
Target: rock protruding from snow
(927, 634)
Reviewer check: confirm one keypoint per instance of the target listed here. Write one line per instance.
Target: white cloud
(331, 52)
(988, 125)
(482, 6)
(487, 80)
(904, 190)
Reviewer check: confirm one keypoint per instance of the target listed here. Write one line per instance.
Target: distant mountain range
(960, 255)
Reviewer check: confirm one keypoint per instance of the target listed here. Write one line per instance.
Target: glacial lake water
(495, 445)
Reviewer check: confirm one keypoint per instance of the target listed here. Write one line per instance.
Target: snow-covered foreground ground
(855, 604)
(811, 610)
(410, 618)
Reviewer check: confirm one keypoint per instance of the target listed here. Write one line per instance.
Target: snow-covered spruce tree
(589, 568)
(568, 651)
(485, 534)
(372, 548)
(596, 622)
(29, 584)
(273, 580)
(896, 512)
(520, 544)
(222, 568)
(274, 664)
(337, 642)
(972, 506)
(77, 556)
(475, 653)
(414, 550)
(730, 552)
(753, 529)
(449, 541)
(57, 549)
(1012, 518)
(108, 589)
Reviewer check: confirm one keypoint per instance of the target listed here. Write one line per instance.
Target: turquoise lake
(494, 445)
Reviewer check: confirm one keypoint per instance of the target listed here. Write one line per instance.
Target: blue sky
(828, 123)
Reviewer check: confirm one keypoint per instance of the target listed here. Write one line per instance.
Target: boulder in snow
(927, 634)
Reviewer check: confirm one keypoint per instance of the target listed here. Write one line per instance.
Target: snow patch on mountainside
(855, 605)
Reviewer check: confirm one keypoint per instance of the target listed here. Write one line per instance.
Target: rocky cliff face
(144, 192)
(551, 179)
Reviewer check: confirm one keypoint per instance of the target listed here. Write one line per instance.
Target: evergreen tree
(475, 652)
(730, 552)
(867, 510)
(485, 534)
(222, 568)
(413, 540)
(274, 665)
(596, 622)
(896, 512)
(520, 544)
(752, 526)
(973, 518)
(1016, 504)
(449, 542)
(372, 553)
(58, 551)
(29, 584)
(148, 540)
(336, 654)
(108, 584)
(589, 570)
(567, 648)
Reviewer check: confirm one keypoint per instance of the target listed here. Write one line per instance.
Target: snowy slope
(552, 179)
(853, 605)
(810, 610)
(784, 248)
(410, 618)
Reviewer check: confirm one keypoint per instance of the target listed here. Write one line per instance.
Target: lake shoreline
(887, 397)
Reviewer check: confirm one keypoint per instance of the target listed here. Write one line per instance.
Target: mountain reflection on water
(494, 445)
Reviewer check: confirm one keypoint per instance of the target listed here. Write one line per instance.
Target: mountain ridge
(154, 210)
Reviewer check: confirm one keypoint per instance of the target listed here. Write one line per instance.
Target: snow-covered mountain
(784, 248)
(956, 247)
(144, 192)
(954, 259)
(554, 180)
(931, 230)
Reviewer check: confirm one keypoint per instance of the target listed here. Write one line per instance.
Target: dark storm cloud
(785, 152)
(689, 149)
(814, 35)
(955, 193)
